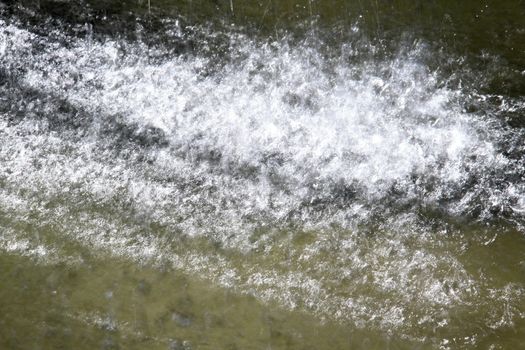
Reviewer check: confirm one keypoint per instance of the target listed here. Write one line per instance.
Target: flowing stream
(274, 175)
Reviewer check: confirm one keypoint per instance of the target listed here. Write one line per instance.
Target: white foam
(277, 137)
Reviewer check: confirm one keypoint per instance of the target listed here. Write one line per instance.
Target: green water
(58, 292)
(115, 304)
(467, 26)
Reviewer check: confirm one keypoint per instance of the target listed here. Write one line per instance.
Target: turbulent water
(370, 180)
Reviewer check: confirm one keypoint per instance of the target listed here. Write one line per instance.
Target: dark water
(266, 175)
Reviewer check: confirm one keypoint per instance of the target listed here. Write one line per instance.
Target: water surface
(284, 175)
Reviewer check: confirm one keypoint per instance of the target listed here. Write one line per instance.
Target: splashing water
(358, 187)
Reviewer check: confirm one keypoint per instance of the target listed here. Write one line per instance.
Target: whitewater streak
(131, 150)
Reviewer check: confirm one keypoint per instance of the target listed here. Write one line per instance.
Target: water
(276, 175)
